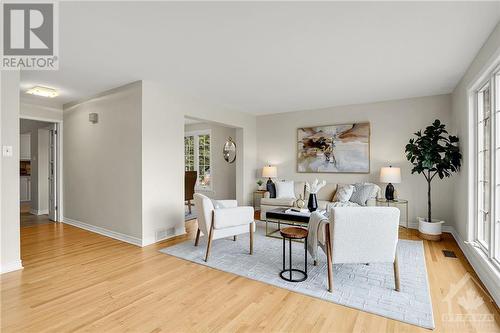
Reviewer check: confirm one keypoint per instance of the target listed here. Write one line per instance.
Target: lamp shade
(269, 172)
(390, 175)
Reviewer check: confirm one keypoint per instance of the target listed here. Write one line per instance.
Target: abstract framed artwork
(343, 148)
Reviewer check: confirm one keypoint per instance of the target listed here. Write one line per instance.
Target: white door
(53, 173)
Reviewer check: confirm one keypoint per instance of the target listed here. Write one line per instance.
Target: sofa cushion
(362, 193)
(343, 193)
(284, 202)
(323, 204)
(285, 189)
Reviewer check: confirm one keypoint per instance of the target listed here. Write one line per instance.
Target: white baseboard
(11, 266)
(486, 273)
(105, 232)
(39, 212)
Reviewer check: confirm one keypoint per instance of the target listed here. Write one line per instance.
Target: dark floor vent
(449, 254)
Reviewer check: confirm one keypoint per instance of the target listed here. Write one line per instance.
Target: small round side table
(292, 233)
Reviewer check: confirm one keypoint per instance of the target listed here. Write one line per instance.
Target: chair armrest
(231, 217)
(225, 203)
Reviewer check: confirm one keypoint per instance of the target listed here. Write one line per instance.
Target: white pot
(430, 230)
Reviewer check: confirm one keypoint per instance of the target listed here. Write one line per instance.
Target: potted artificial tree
(433, 153)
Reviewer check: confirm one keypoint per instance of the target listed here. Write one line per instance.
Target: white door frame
(59, 172)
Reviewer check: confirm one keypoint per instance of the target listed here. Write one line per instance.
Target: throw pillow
(362, 193)
(285, 189)
(343, 193)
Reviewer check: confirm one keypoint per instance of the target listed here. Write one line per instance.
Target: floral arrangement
(260, 182)
(315, 186)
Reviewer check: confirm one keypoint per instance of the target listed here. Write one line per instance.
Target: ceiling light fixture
(42, 91)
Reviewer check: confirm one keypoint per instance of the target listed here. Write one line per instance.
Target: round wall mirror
(229, 150)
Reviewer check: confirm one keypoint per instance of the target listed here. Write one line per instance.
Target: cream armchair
(360, 235)
(222, 220)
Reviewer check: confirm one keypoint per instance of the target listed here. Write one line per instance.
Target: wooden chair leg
(197, 237)
(234, 238)
(396, 273)
(189, 206)
(329, 257)
(251, 237)
(210, 235)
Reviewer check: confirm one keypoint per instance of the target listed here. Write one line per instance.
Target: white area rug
(368, 288)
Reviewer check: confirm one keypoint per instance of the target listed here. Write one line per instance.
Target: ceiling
(269, 57)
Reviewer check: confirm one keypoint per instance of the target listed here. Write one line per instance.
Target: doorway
(206, 169)
(38, 172)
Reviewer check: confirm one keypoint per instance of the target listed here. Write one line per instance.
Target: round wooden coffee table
(292, 233)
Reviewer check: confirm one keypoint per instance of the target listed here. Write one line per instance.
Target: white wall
(461, 122)
(463, 195)
(9, 201)
(392, 125)
(121, 176)
(163, 156)
(223, 174)
(29, 110)
(102, 162)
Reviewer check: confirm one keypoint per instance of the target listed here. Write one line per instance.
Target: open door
(53, 172)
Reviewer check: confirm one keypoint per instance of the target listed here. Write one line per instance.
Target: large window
(197, 156)
(487, 168)
(189, 153)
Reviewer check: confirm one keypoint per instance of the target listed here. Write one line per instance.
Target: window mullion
(196, 153)
(491, 185)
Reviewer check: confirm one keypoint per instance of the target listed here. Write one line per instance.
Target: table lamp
(390, 175)
(270, 172)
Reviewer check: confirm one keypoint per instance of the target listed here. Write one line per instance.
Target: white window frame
(489, 253)
(196, 135)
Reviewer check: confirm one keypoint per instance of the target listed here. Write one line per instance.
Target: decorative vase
(312, 203)
(300, 202)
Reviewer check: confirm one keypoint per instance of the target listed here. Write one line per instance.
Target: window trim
(196, 135)
(489, 79)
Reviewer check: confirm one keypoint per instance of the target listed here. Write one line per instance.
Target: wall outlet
(7, 151)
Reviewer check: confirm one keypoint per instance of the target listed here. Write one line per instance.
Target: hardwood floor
(76, 280)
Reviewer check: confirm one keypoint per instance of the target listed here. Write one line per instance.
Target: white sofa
(324, 198)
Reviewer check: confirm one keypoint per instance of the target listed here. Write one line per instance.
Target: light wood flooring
(75, 280)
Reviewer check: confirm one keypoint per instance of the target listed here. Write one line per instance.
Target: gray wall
(392, 125)
(102, 162)
(223, 174)
(9, 200)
